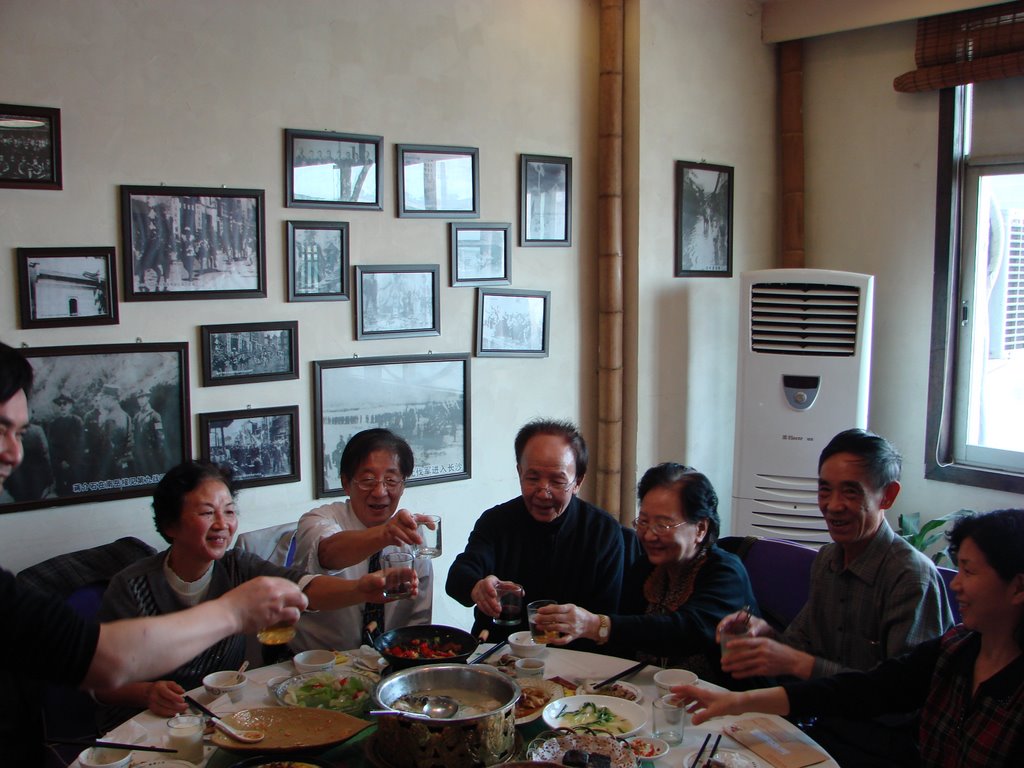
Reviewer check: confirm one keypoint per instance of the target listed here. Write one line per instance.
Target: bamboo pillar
(610, 290)
(791, 152)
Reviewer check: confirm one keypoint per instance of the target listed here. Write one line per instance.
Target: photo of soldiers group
(26, 151)
(250, 353)
(513, 323)
(397, 301)
(258, 447)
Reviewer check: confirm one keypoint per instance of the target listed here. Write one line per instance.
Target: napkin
(781, 748)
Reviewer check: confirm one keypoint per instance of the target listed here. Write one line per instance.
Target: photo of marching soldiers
(256, 447)
(250, 353)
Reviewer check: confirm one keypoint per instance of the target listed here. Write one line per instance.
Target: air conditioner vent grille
(804, 319)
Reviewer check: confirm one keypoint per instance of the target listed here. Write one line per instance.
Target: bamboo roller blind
(966, 47)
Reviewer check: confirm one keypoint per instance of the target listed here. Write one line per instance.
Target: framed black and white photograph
(244, 353)
(332, 170)
(107, 422)
(703, 220)
(512, 322)
(193, 243)
(423, 398)
(545, 200)
(59, 287)
(399, 300)
(261, 445)
(438, 182)
(481, 254)
(318, 261)
(30, 147)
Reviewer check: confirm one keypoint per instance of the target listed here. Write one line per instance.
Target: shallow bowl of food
(231, 683)
(616, 716)
(339, 690)
(522, 645)
(313, 661)
(648, 748)
(620, 690)
(667, 679)
(105, 757)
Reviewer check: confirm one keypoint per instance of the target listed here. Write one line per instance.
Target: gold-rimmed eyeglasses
(369, 484)
(659, 529)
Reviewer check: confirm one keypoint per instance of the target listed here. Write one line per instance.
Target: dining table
(570, 666)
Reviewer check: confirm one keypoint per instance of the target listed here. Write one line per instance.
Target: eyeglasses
(660, 529)
(369, 484)
(551, 486)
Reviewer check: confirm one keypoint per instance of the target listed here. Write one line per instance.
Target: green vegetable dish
(323, 690)
(589, 714)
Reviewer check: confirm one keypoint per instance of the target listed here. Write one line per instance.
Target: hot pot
(410, 741)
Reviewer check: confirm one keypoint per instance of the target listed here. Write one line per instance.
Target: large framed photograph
(423, 398)
(438, 182)
(244, 353)
(481, 254)
(545, 200)
(703, 220)
(399, 300)
(30, 147)
(261, 445)
(332, 170)
(59, 287)
(512, 322)
(193, 243)
(107, 422)
(318, 261)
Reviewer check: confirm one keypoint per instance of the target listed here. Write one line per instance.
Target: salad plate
(338, 689)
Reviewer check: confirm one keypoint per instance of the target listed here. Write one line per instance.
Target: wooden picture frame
(30, 154)
(398, 301)
(67, 287)
(182, 243)
(481, 253)
(704, 195)
(545, 201)
(512, 322)
(108, 421)
(260, 445)
(245, 353)
(438, 181)
(318, 260)
(324, 169)
(423, 398)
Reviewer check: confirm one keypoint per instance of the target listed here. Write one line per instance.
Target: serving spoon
(433, 707)
(246, 737)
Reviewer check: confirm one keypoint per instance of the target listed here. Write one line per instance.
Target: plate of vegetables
(339, 690)
(615, 716)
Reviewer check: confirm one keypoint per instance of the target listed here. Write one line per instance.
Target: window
(976, 392)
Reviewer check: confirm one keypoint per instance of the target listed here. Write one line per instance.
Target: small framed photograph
(438, 182)
(423, 398)
(545, 200)
(61, 287)
(30, 147)
(703, 220)
(481, 254)
(512, 322)
(318, 261)
(244, 353)
(332, 170)
(108, 421)
(398, 301)
(261, 445)
(193, 243)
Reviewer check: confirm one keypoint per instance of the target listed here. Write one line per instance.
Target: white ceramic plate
(632, 716)
(648, 748)
(551, 690)
(730, 758)
(164, 764)
(551, 750)
(620, 688)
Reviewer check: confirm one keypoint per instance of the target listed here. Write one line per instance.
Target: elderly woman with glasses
(673, 599)
(347, 538)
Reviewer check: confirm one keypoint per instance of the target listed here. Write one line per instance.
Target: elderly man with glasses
(346, 539)
(555, 545)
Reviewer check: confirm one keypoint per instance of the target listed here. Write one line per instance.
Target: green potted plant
(924, 537)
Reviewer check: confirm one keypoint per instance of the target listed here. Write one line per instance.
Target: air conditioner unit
(804, 362)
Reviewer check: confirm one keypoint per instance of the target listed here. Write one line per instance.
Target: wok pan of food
(407, 647)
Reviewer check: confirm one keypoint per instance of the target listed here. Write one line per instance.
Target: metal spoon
(439, 707)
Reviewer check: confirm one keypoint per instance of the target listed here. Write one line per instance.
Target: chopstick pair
(487, 654)
(625, 673)
(714, 749)
(109, 744)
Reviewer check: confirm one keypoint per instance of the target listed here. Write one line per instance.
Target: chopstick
(199, 707)
(625, 673)
(701, 751)
(109, 744)
(714, 749)
(487, 654)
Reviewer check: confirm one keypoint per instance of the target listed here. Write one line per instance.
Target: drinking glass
(429, 529)
(185, 734)
(736, 628)
(540, 636)
(397, 568)
(668, 720)
(510, 596)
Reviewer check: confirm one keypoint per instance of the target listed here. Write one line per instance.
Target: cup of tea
(540, 636)
(398, 575)
(510, 596)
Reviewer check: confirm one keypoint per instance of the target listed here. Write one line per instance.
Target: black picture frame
(30, 155)
(324, 169)
(423, 398)
(481, 253)
(181, 243)
(545, 201)
(398, 301)
(512, 322)
(246, 353)
(704, 195)
(421, 194)
(260, 445)
(318, 260)
(108, 421)
(67, 287)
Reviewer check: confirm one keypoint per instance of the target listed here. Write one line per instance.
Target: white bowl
(529, 667)
(667, 679)
(231, 683)
(635, 716)
(522, 645)
(313, 661)
(105, 757)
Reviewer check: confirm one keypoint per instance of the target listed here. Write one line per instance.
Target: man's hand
(485, 595)
(761, 656)
(400, 528)
(263, 602)
(704, 704)
(372, 584)
(570, 620)
(165, 698)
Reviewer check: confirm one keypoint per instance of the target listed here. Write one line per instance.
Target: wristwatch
(603, 630)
